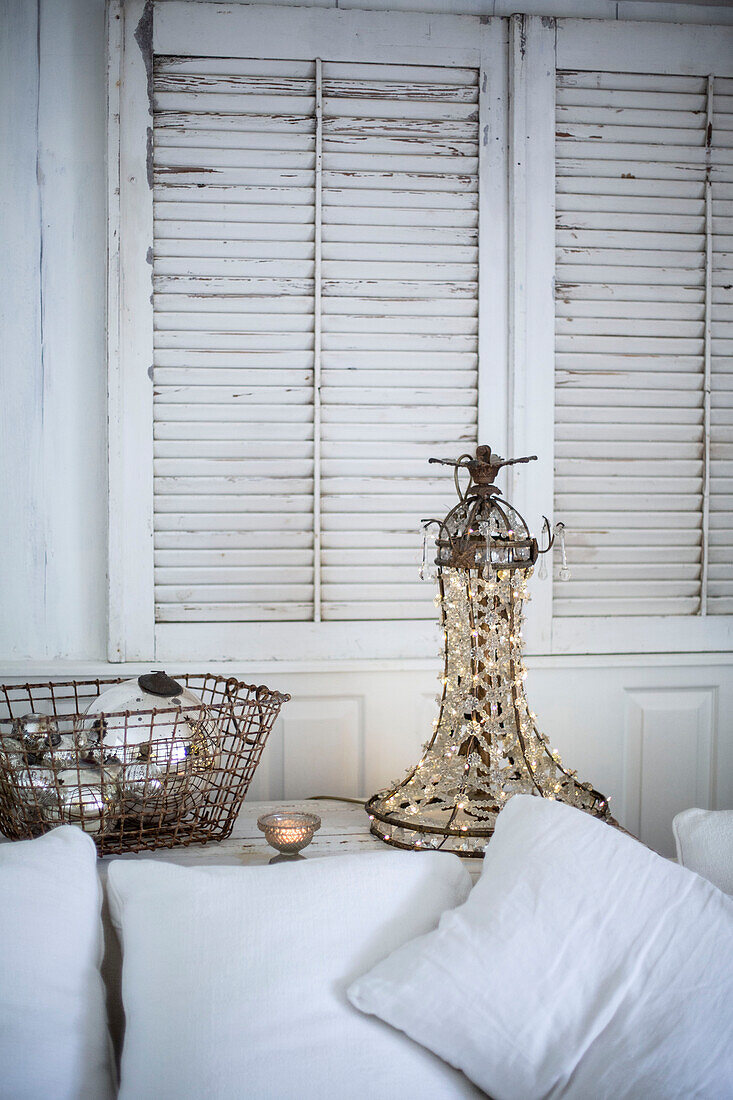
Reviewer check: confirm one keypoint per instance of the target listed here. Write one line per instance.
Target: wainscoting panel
(316, 747)
(669, 754)
(323, 748)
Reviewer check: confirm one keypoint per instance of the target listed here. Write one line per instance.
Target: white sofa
(368, 975)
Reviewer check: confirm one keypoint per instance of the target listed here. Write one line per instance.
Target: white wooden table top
(344, 829)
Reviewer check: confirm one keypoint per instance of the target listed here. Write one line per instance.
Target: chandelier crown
(483, 529)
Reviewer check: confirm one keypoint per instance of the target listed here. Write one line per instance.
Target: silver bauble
(140, 788)
(84, 799)
(37, 733)
(36, 789)
(65, 754)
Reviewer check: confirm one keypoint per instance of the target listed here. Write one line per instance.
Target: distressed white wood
(669, 741)
(625, 356)
(70, 174)
(255, 376)
(531, 215)
(116, 626)
(626, 633)
(382, 375)
(52, 435)
(632, 361)
(187, 28)
(707, 351)
(225, 640)
(391, 112)
(625, 48)
(130, 351)
(674, 12)
(21, 335)
(599, 340)
(694, 12)
(493, 243)
(344, 831)
(318, 346)
(594, 351)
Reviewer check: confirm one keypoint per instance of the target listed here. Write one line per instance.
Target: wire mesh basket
(136, 779)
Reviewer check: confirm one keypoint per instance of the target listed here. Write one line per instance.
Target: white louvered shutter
(315, 269)
(399, 319)
(234, 330)
(630, 341)
(720, 568)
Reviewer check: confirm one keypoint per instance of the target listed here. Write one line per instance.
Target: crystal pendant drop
(424, 558)
(564, 572)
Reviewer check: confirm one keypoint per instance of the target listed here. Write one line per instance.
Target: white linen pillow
(53, 1028)
(582, 965)
(234, 978)
(704, 840)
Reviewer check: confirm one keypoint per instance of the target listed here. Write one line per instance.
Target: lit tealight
(288, 832)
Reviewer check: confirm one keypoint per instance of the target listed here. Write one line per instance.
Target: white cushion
(582, 965)
(53, 1031)
(704, 841)
(234, 978)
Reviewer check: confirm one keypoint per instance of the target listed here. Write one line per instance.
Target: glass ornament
(179, 745)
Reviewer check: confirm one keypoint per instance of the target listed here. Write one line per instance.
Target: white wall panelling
(130, 353)
(323, 747)
(21, 363)
(317, 748)
(52, 429)
(669, 747)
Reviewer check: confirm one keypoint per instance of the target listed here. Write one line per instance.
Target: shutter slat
(599, 606)
(214, 540)
(183, 611)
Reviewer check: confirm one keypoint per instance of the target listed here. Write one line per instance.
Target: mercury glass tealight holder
(289, 833)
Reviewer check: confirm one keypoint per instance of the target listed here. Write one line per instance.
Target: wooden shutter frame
(515, 285)
(130, 333)
(540, 47)
(136, 31)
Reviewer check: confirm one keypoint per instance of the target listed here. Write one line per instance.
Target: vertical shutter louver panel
(720, 539)
(630, 335)
(399, 322)
(234, 162)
